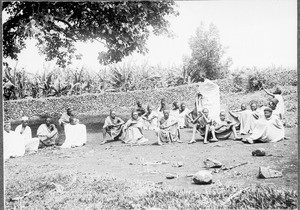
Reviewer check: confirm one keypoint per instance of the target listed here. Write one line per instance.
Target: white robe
(280, 105)
(13, 145)
(268, 130)
(31, 144)
(76, 135)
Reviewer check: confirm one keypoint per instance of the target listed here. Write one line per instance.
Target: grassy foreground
(79, 191)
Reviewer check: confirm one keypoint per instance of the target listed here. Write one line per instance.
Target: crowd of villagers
(257, 124)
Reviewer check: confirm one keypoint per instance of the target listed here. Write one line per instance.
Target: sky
(260, 33)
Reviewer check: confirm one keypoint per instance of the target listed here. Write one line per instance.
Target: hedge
(97, 104)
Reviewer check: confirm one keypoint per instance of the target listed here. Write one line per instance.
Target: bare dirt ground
(121, 161)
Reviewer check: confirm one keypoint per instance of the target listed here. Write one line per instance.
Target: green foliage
(251, 79)
(122, 27)
(69, 191)
(207, 55)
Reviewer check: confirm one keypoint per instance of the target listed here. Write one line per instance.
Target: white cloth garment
(76, 135)
(13, 145)
(31, 144)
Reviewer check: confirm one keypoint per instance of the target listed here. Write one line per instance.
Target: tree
(207, 55)
(122, 27)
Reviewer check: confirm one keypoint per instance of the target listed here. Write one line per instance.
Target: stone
(178, 164)
(259, 152)
(171, 176)
(210, 163)
(267, 173)
(202, 177)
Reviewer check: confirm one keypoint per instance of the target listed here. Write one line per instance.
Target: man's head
(163, 102)
(138, 103)
(24, 121)
(243, 106)
(7, 126)
(253, 106)
(175, 105)
(134, 115)
(222, 115)
(112, 114)
(149, 108)
(166, 113)
(182, 106)
(205, 112)
(272, 105)
(277, 91)
(69, 111)
(268, 112)
(48, 121)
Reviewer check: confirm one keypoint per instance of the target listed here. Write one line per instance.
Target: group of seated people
(260, 124)
(17, 142)
(263, 124)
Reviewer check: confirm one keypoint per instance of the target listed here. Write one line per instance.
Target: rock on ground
(202, 177)
(259, 152)
(266, 173)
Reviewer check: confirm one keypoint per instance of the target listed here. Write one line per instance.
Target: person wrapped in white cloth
(31, 144)
(75, 133)
(13, 143)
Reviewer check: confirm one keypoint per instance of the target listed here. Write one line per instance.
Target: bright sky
(261, 33)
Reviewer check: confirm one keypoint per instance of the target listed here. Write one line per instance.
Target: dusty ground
(118, 160)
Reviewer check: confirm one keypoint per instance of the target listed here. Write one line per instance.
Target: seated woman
(267, 129)
(31, 144)
(168, 129)
(13, 143)
(113, 126)
(182, 116)
(150, 119)
(75, 134)
(243, 117)
(204, 125)
(225, 128)
(47, 133)
(132, 130)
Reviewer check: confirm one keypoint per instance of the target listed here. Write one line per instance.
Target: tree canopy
(207, 58)
(123, 27)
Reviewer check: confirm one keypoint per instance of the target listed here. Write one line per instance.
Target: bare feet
(213, 140)
(192, 141)
(237, 138)
(103, 142)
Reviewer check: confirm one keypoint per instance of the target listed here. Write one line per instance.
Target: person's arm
(53, 132)
(267, 92)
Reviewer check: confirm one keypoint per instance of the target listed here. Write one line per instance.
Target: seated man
(182, 117)
(132, 129)
(225, 128)
(31, 144)
(267, 129)
(204, 125)
(243, 117)
(47, 133)
(75, 134)
(65, 117)
(150, 119)
(140, 109)
(13, 143)
(113, 126)
(168, 129)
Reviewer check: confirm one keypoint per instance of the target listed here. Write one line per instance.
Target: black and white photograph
(150, 105)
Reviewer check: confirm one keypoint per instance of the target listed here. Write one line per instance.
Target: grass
(67, 190)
